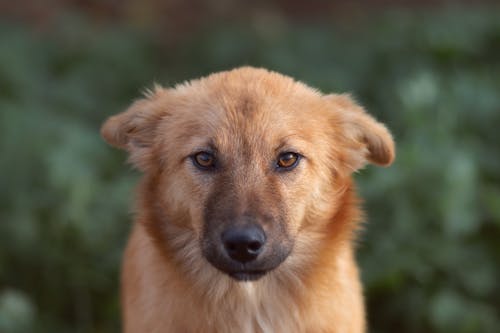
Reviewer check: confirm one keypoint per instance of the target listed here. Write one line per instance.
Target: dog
(246, 216)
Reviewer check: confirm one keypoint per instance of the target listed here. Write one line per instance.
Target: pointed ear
(367, 140)
(134, 130)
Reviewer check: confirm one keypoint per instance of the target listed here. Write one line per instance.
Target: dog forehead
(249, 118)
(244, 105)
(253, 98)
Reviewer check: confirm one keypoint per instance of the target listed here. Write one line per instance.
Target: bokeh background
(430, 254)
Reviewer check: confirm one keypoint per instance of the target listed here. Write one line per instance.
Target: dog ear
(134, 129)
(366, 139)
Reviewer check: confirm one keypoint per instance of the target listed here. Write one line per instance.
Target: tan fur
(248, 113)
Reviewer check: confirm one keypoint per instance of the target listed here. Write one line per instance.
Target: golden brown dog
(246, 213)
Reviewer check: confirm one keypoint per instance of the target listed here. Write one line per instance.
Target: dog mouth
(247, 275)
(241, 268)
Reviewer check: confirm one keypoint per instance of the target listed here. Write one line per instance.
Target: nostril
(230, 246)
(254, 246)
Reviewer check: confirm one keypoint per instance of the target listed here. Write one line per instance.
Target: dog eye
(288, 160)
(204, 160)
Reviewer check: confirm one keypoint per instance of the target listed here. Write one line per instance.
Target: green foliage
(430, 253)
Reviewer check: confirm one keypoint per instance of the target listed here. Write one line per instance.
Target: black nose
(244, 244)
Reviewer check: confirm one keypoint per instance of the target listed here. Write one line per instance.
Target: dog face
(245, 166)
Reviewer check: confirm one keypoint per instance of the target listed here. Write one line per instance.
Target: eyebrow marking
(208, 146)
(284, 142)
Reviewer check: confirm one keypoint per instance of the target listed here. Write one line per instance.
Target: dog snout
(243, 243)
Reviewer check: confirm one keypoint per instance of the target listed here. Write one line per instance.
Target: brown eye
(204, 160)
(288, 160)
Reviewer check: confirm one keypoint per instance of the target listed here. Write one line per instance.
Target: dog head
(244, 166)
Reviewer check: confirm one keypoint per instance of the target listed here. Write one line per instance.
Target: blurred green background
(430, 254)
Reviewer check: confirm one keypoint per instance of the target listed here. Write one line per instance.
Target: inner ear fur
(370, 140)
(134, 129)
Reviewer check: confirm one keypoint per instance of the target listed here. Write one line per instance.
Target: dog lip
(247, 275)
(241, 272)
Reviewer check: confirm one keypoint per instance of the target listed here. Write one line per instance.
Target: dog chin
(242, 276)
